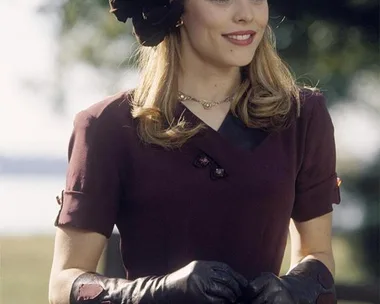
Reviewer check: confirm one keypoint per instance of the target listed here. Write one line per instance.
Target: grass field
(25, 267)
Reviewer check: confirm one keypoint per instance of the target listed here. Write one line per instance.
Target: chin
(240, 62)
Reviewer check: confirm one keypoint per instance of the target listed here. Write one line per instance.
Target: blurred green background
(59, 57)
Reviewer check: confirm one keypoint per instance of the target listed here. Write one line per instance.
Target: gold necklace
(205, 103)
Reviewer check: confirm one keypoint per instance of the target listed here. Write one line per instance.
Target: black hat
(152, 19)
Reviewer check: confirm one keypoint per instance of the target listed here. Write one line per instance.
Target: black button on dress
(226, 195)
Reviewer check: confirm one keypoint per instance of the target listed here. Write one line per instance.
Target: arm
(90, 206)
(312, 240)
(75, 252)
(73, 279)
(310, 279)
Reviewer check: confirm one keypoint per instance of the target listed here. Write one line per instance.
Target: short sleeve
(92, 194)
(317, 187)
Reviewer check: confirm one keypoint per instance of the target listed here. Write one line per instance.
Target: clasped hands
(205, 282)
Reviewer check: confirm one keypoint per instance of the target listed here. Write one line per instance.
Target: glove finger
(213, 299)
(227, 281)
(219, 292)
(260, 300)
(237, 276)
(258, 285)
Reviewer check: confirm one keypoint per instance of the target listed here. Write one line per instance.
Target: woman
(202, 167)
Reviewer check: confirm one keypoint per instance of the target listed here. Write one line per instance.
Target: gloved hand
(310, 282)
(200, 282)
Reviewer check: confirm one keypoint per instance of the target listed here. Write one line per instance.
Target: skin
(312, 239)
(212, 72)
(205, 22)
(204, 49)
(75, 252)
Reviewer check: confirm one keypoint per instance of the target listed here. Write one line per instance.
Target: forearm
(326, 258)
(75, 286)
(60, 285)
(198, 282)
(94, 288)
(309, 282)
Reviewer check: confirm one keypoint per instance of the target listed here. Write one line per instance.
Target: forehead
(205, 6)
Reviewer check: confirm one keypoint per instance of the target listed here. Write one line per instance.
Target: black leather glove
(310, 282)
(197, 283)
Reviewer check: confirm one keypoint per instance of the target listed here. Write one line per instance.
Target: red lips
(241, 38)
(241, 33)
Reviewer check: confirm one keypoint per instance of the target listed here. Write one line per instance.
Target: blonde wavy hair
(265, 98)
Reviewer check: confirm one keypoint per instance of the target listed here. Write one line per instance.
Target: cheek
(260, 35)
(262, 18)
(202, 25)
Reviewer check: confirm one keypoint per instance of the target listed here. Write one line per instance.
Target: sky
(28, 124)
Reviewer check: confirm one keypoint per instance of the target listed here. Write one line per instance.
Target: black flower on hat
(152, 19)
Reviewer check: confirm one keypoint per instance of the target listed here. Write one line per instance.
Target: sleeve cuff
(316, 201)
(77, 211)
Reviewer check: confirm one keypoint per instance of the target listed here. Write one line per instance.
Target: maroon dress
(226, 195)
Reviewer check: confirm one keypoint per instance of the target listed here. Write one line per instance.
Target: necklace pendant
(207, 106)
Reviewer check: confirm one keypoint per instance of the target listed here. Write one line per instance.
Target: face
(224, 32)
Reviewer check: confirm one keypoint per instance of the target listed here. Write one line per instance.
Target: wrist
(93, 288)
(312, 280)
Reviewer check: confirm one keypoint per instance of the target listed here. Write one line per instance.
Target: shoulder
(313, 107)
(313, 121)
(113, 111)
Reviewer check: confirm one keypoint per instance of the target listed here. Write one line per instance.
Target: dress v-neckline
(195, 119)
(209, 136)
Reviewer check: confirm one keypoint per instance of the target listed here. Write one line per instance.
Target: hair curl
(266, 98)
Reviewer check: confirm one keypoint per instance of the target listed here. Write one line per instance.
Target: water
(27, 203)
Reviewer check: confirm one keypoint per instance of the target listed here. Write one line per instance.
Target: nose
(244, 11)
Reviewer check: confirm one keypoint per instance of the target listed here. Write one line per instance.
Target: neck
(202, 80)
